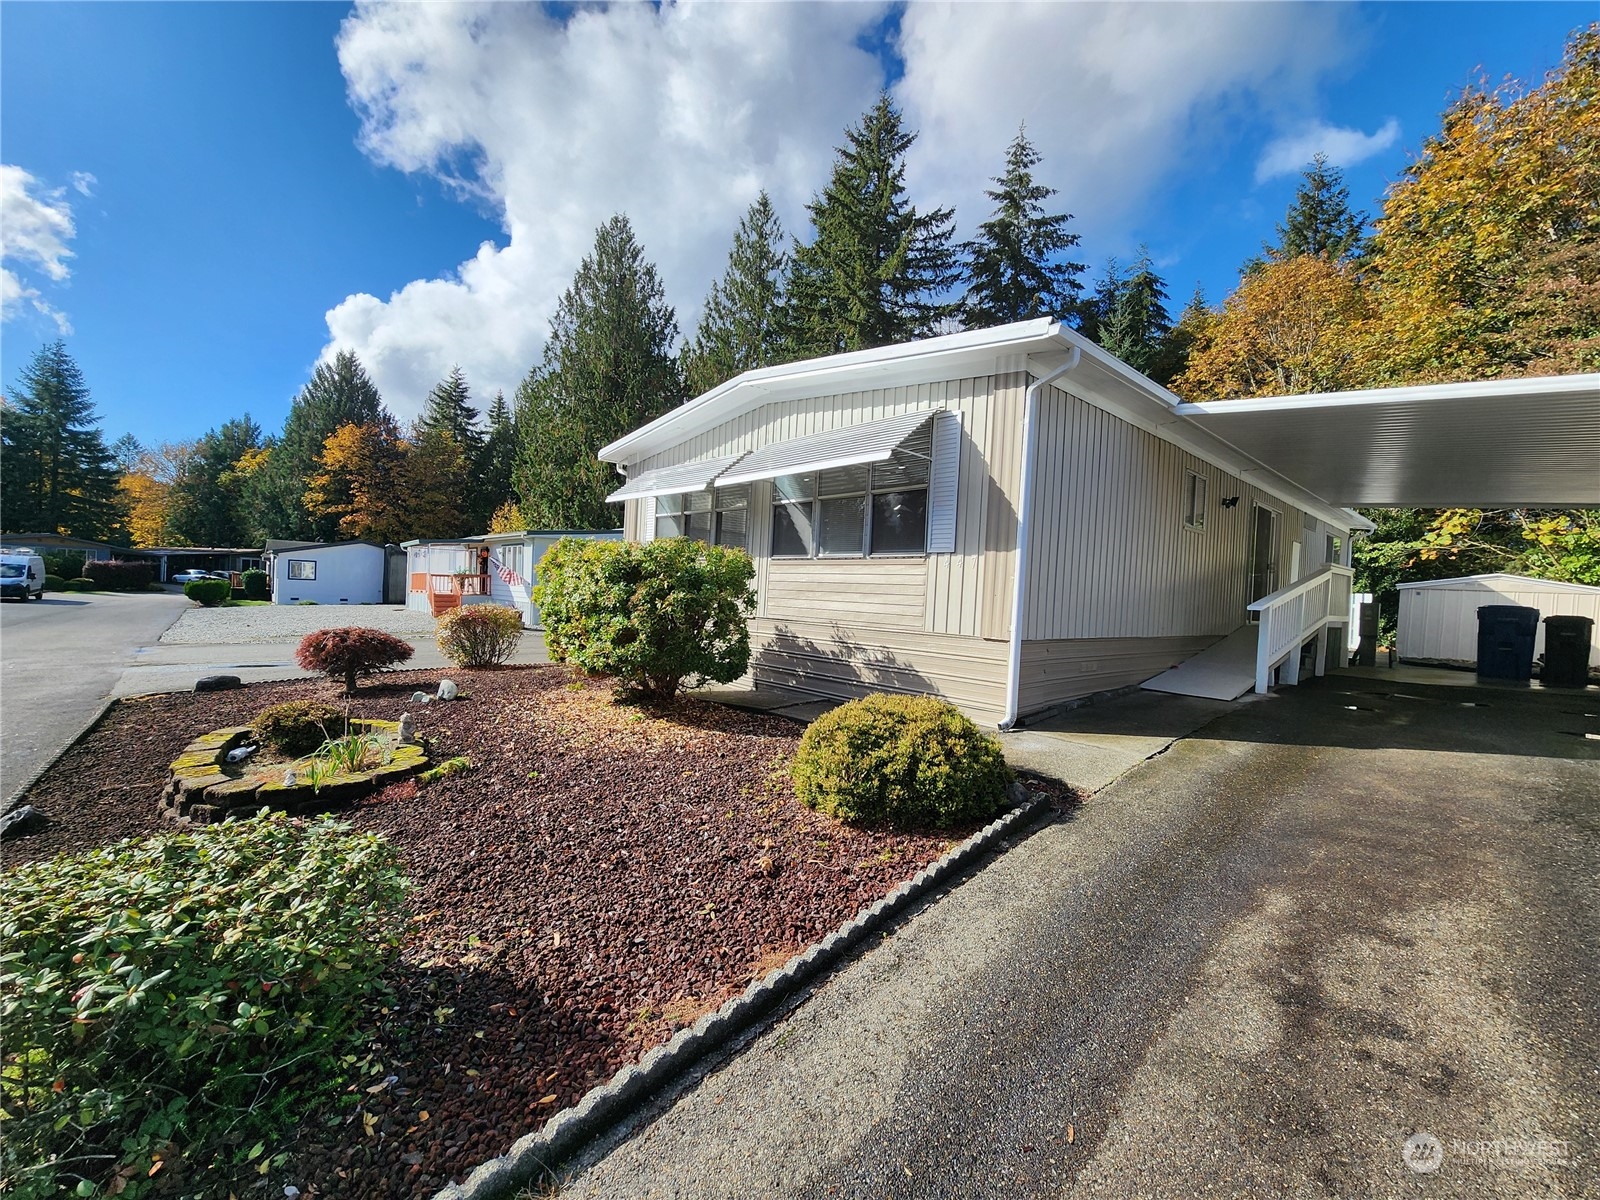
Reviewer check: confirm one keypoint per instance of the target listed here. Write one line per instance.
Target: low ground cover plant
(351, 652)
(299, 726)
(209, 592)
(114, 575)
(78, 585)
(168, 1002)
(479, 635)
(911, 762)
(656, 615)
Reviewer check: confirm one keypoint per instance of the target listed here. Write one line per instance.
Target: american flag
(507, 575)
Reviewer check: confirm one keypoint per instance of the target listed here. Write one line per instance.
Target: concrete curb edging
(605, 1105)
(18, 792)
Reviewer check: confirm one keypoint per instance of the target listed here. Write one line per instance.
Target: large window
(302, 568)
(849, 512)
(719, 518)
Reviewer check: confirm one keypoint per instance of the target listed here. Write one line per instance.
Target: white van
(22, 576)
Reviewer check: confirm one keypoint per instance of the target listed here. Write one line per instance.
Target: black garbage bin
(1505, 641)
(1566, 651)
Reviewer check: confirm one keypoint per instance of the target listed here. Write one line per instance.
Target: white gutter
(1030, 426)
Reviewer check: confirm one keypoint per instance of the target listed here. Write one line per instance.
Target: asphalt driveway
(1255, 965)
(59, 658)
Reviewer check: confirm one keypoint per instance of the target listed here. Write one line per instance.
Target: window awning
(851, 446)
(670, 481)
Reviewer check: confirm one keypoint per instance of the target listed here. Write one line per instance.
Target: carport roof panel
(1508, 443)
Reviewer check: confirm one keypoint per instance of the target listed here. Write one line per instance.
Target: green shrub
(255, 585)
(905, 761)
(78, 585)
(192, 992)
(655, 614)
(350, 652)
(67, 566)
(209, 592)
(54, 583)
(114, 575)
(299, 726)
(479, 635)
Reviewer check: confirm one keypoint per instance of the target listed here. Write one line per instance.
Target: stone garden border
(202, 790)
(604, 1106)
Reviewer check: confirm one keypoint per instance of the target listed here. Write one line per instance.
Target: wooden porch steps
(443, 602)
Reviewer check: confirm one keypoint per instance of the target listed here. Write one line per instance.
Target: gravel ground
(602, 878)
(288, 622)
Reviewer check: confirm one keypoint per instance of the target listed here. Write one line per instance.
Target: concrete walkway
(1253, 965)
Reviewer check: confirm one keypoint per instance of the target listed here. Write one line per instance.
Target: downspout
(1019, 584)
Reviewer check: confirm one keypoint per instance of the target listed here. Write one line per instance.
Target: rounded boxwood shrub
(912, 762)
(656, 614)
(78, 585)
(299, 726)
(350, 652)
(209, 592)
(255, 585)
(54, 583)
(168, 1002)
(479, 635)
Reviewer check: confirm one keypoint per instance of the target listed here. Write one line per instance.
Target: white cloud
(679, 115)
(1289, 155)
(35, 226)
(83, 182)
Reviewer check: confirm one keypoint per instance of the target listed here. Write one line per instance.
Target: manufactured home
(494, 568)
(1010, 518)
(326, 572)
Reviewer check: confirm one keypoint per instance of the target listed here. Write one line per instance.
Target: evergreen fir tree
(871, 275)
(1015, 266)
(741, 327)
(493, 485)
(1137, 326)
(1320, 221)
(607, 369)
(56, 474)
(338, 394)
(1094, 310)
(205, 503)
(449, 410)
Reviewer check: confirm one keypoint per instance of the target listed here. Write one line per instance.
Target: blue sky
(272, 180)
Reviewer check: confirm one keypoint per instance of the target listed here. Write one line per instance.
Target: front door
(1263, 553)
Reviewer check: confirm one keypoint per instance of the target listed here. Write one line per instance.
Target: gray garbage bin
(1566, 651)
(1505, 641)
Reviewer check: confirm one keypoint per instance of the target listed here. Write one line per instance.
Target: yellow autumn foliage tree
(358, 482)
(1295, 325)
(146, 493)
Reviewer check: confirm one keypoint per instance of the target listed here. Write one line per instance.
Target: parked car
(225, 576)
(22, 576)
(193, 575)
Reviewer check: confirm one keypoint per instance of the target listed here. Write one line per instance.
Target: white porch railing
(1292, 614)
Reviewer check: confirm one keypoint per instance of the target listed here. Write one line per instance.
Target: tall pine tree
(1321, 222)
(1015, 266)
(205, 502)
(875, 270)
(339, 393)
(493, 485)
(449, 410)
(741, 327)
(56, 474)
(607, 369)
(1136, 327)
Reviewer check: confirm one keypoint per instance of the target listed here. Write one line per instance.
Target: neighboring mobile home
(326, 572)
(883, 496)
(493, 568)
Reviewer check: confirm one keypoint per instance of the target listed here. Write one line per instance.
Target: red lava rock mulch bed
(602, 877)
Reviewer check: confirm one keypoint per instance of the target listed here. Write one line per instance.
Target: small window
(719, 518)
(1335, 550)
(1194, 502)
(302, 568)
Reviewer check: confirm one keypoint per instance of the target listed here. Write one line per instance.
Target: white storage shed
(326, 572)
(1439, 617)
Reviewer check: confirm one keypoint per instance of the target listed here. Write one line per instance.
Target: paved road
(1254, 966)
(59, 657)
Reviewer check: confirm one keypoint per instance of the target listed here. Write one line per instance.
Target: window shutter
(647, 519)
(942, 483)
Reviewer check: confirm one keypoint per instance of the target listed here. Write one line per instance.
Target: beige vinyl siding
(953, 592)
(1110, 556)
(1054, 672)
(834, 660)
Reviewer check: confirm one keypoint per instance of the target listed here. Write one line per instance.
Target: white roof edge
(1559, 585)
(1533, 385)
